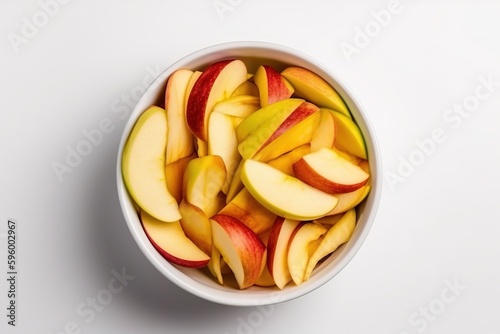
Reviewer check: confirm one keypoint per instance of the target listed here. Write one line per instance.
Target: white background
(437, 225)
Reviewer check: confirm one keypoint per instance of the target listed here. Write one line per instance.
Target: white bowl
(194, 280)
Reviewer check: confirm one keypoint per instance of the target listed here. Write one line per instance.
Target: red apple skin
(248, 241)
(306, 174)
(197, 102)
(277, 90)
(273, 241)
(174, 259)
(303, 111)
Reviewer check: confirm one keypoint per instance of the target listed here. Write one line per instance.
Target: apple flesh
(240, 247)
(277, 250)
(272, 86)
(215, 84)
(281, 135)
(337, 235)
(265, 279)
(247, 88)
(239, 106)
(250, 212)
(348, 136)
(348, 201)
(324, 135)
(174, 173)
(285, 162)
(214, 265)
(143, 166)
(179, 138)
(196, 226)
(285, 195)
(327, 171)
(203, 180)
(302, 240)
(170, 241)
(222, 142)
(315, 89)
(271, 116)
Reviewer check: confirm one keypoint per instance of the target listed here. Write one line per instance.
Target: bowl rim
(271, 296)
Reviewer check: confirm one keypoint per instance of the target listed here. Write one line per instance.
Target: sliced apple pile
(255, 176)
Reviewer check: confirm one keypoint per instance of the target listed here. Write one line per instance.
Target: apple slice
(196, 226)
(203, 180)
(170, 241)
(240, 106)
(250, 212)
(327, 171)
(285, 162)
(315, 89)
(272, 138)
(277, 250)
(271, 116)
(240, 247)
(351, 158)
(236, 184)
(325, 133)
(215, 84)
(348, 136)
(285, 195)
(272, 86)
(246, 88)
(143, 166)
(222, 141)
(337, 235)
(174, 173)
(201, 148)
(301, 241)
(196, 75)
(348, 201)
(265, 279)
(179, 138)
(214, 265)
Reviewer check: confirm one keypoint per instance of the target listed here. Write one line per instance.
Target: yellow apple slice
(247, 88)
(196, 226)
(315, 89)
(236, 184)
(174, 173)
(265, 279)
(327, 171)
(348, 136)
(272, 86)
(214, 265)
(240, 247)
(222, 141)
(325, 132)
(337, 235)
(270, 116)
(348, 201)
(201, 148)
(298, 252)
(179, 138)
(285, 195)
(215, 84)
(143, 166)
(250, 212)
(203, 180)
(239, 106)
(277, 250)
(285, 162)
(278, 136)
(170, 241)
